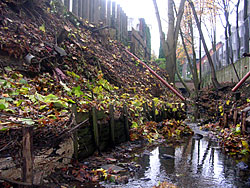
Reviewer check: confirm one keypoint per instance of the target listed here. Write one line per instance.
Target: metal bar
(157, 76)
(241, 82)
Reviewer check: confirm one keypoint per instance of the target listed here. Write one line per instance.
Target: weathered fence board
(27, 153)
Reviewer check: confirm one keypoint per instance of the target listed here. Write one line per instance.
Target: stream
(199, 162)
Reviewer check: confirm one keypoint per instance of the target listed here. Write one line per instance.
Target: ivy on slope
(96, 70)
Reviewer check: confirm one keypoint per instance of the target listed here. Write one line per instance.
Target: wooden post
(122, 25)
(113, 22)
(91, 10)
(126, 29)
(80, 8)
(75, 7)
(225, 120)
(118, 23)
(86, 8)
(67, 4)
(153, 111)
(126, 126)
(95, 127)
(103, 11)
(27, 154)
(96, 11)
(243, 119)
(124, 32)
(75, 135)
(235, 114)
(243, 122)
(112, 123)
(109, 13)
(145, 112)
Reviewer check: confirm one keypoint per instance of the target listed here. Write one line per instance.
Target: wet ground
(199, 162)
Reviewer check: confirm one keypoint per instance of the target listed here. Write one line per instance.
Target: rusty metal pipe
(157, 76)
(241, 82)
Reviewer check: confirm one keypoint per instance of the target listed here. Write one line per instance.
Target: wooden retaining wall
(105, 130)
(90, 132)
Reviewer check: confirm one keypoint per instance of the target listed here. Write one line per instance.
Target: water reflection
(197, 163)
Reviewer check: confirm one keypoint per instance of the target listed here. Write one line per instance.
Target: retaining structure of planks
(92, 131)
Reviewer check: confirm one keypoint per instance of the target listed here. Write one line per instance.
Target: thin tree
(225, 7)
(169, 45)
(213, 73)
(246, 42)
(237, 29)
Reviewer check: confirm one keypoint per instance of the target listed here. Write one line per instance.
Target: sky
(145, 9)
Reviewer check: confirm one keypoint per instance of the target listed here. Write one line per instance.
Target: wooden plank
(126, 126)
(225, 120)
(80, 8)
(103, 11)
(67, 4)
(83, 6)
(145, 112)
(118, 23)
(122, 25)
(75, 135)
(112, 123)
(27, 155)
(96, 11)
(235, 115)
(95, 127)
(243, 122)
(126, 29)
(91, 10)
(109, 5)
(75, 7)
(113, 18)
(86, 9)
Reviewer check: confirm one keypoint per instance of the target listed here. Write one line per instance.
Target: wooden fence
(109, 14)
(105, 12)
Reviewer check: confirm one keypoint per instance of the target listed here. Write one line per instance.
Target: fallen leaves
(151, 131)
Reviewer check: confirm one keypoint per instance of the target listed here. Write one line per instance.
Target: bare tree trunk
(246, 41)
(183, 83)
(237, 29)
(162, 38)
(213, 73)
(169, 46)
(191, 66)
(195, 76)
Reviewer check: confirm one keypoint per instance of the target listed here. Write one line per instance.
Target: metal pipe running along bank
(157, 76)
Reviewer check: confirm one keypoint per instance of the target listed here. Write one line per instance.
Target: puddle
(196, 163)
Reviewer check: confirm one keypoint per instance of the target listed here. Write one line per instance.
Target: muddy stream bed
(198, 162)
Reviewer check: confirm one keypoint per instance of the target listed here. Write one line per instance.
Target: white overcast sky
(145, 9)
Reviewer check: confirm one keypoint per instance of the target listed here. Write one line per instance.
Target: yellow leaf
(245, 144)
(42, 28)
(156, 112)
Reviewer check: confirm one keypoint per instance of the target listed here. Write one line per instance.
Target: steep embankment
(50, 59)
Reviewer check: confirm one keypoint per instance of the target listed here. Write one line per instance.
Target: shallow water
(196, 163)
